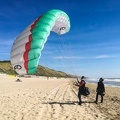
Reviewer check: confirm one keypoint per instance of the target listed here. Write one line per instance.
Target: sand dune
(44, 99)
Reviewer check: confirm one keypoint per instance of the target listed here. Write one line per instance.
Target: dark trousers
(101, 94)
(79, 96)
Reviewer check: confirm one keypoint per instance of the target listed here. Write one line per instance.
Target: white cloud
(68, 57)
(103, 56)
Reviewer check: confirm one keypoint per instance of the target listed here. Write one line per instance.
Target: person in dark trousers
(100, 90)
(81, 85)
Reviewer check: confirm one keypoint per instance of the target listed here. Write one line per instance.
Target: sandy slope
(42, 99)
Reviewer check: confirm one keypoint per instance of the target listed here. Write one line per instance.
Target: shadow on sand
(88, 102)
(67, 102)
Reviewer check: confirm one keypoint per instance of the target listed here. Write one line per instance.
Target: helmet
(101, 79)
(82, 77)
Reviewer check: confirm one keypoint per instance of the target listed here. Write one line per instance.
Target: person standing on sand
(100, 90)
(81, 85)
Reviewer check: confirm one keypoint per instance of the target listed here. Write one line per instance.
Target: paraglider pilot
(100, 90)
(81, 85)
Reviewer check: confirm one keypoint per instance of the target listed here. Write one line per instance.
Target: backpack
(86, 91)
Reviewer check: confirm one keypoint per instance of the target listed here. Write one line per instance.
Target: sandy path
(42, 99)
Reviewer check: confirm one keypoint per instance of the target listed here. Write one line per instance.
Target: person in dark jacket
(81, 85)
(100, 90)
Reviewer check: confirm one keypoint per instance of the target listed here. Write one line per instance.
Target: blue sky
(90, 48)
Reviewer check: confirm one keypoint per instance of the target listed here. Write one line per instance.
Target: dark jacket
(100, 88)
(81, 85)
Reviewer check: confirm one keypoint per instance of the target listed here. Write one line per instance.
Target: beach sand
(53, 99)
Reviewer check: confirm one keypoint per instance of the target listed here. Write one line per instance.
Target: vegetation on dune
(6, 68)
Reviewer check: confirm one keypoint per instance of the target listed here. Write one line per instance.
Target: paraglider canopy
(27, 47)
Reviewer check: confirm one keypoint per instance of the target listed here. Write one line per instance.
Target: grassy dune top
(6, 68)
